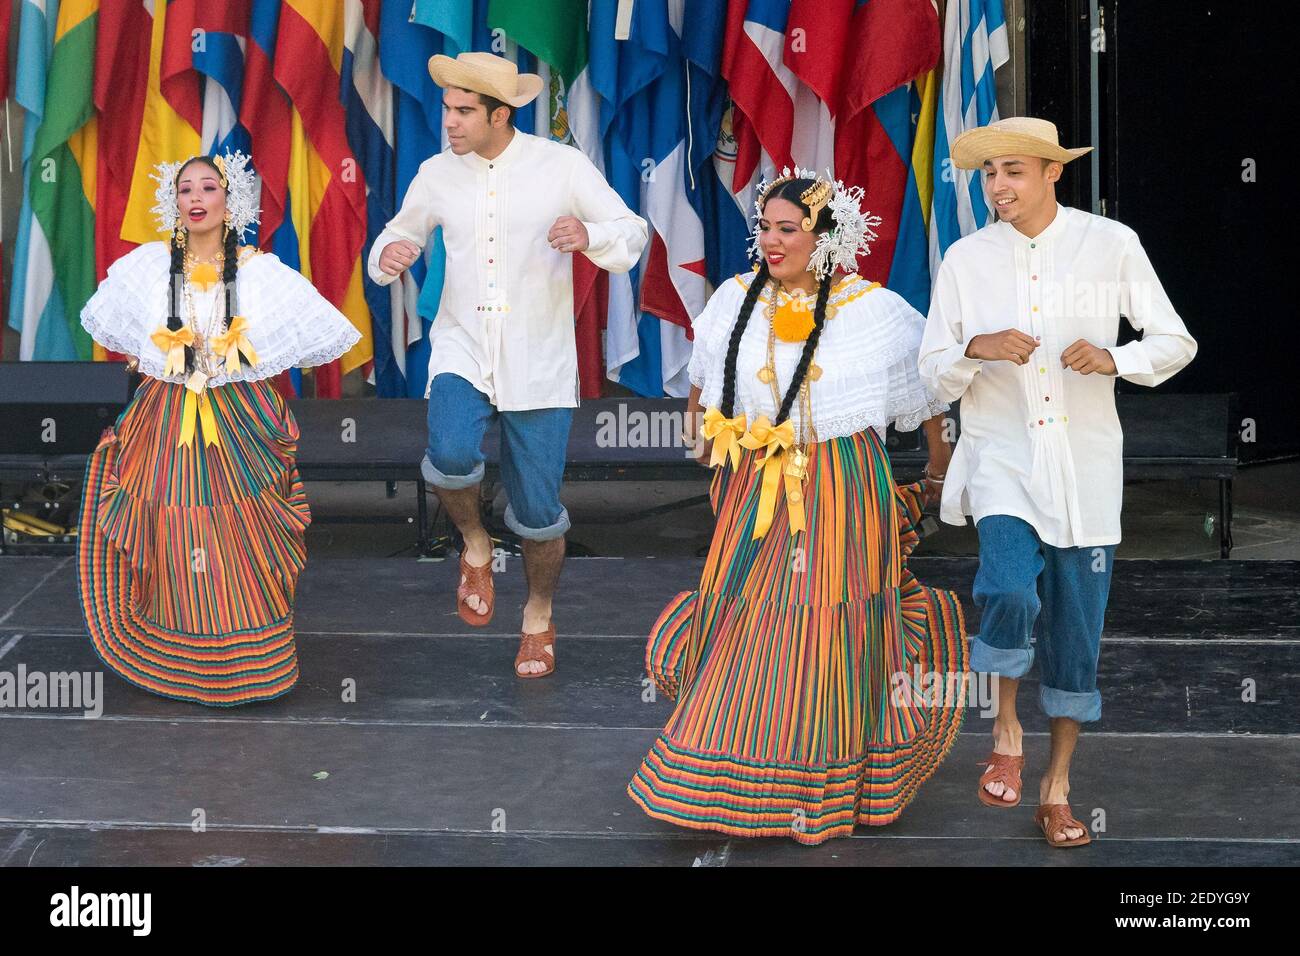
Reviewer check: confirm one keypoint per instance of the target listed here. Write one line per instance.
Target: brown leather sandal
(1053, 818)
(1006, 771)
(532, 647)
(478, 581)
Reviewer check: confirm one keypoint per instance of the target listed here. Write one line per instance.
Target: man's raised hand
(1085, 358)
(398, 256)
(568, 234)
(1009, 345)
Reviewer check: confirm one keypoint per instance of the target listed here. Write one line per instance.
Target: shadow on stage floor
(445, 757)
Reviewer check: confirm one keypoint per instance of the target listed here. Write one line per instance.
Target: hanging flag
(36, 309)
(893, 41)
(673, 286)
(909, 273)
(816, 53)
(218, 56)
(709, 174)
(63, 167)
(611, 114)
(6, 15)
(463, 27)
(264, 111)
(762, 86)
(405, 47)
(325, 181)
(121, 79)
(555, 32)
(974, 46)
(165, 134)
(6, 19)
(368, 101)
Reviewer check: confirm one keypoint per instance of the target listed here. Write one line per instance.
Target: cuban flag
(974, 46)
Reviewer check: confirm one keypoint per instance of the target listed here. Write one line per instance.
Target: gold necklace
(204, 272)
(202, 354)
(797, 465)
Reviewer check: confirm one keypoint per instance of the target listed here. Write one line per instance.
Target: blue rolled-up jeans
(1057, 596)
(533, 447)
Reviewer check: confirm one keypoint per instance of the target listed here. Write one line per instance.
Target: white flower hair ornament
(239, 181)
(853, 230)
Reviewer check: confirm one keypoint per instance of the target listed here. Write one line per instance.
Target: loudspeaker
(60, 408)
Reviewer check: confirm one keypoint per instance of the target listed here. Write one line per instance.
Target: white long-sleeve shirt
(505, 321)
(1039, 441)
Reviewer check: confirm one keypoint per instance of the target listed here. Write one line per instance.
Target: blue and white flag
(974, 46)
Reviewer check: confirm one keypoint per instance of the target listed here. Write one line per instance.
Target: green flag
(554, 31)
(63, 164)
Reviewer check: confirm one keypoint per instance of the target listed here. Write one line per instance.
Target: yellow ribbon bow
(762, 435)
(724, 433)
(195, 406)
(233, 341)
(173, 344)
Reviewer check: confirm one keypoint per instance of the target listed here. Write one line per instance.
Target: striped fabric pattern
(189, 557)
(784, 661)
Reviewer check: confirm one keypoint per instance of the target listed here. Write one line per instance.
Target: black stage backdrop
(1189, 93)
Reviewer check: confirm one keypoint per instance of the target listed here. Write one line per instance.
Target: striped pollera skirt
(188, 557)
(787, 664)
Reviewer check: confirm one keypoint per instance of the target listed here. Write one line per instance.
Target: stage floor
(446, 758)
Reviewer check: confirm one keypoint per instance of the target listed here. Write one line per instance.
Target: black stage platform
(446, 758)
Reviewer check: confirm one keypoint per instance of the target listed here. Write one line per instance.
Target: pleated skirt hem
(253, 657)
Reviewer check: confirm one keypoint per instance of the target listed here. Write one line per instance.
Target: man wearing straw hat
(513, 209)
(1023, 328)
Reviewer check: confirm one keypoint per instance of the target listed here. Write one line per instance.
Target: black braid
(733, 346)
(176, 277)
(231, 253)
(810, 346)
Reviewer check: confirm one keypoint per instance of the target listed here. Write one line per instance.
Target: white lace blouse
(289, 323)
(867, 353)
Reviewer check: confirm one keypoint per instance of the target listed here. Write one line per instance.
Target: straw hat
(1013, 136)
(486, 73)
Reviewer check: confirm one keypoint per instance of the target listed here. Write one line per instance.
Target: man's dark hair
(493, 104)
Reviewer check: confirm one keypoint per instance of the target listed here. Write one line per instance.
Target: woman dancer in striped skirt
(800, 666)
(192, 517)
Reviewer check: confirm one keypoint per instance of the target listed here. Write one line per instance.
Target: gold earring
(180, 237)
